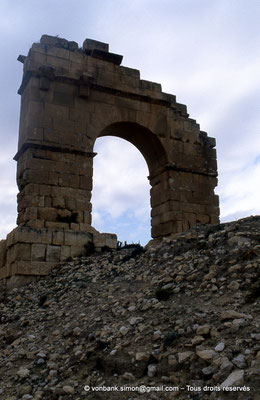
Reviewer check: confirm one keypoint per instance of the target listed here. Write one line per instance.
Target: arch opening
(121, 191)
(143, 139)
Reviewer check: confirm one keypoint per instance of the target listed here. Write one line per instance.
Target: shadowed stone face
(69, 98)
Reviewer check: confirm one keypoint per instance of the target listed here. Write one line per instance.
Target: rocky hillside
(179, 319)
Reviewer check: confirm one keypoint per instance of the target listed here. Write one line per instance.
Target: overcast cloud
(206, 52)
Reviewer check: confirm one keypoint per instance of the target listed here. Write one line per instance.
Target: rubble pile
(177, 319)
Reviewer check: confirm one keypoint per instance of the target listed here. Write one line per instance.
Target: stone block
(37, 224)
(57, 111)
(34, 134)
(105, 98)
(74, 227)
(90, 44)
(155, 221)
(87, 219)
(58, 202)
(152, 86)
(193, 207)
(74, 181)
(159, 195)
(47, 214)
(191, 218)
(64, 215)
(53, 41)
(64, 125)
(166, 229)
(214, 219)
(106, 57)
(107, 78)
(23, 235)
(190, 125)
(35, 60)
(202, 218)
(38, 252)
(58, 52)
(77, 238)
(44, 83)
(105, 239)
(88, 228)
(83, 91)
(48, 202)
(34, 108)
(51, 135)
(77, 251)
(58, 237)
(53, 253)
(56, 225)
(82, 204)
(187, 196)
(3, 251)
(65, 253)
(63, 180)
(71, 204)
(63, 99)
(34, 176)
(44, 190)
(58, 62)
(38, 47)
(165, 207)
(17, 281)
(85, 182)
(19, 252)
(30, 213)
(171, 216)
(135, 73)
(127, 103)
(76, 58)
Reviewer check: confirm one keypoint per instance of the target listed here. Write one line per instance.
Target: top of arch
(69, 57)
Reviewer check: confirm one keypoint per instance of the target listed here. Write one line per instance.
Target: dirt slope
(181, 318)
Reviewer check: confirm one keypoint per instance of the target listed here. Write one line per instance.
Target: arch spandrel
(69, 97)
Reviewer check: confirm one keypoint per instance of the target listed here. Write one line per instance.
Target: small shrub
(214, 229)
(89, 248)
(253, 293)
(105, 249)
(170, 338)
(138, 249)
(163, 294)
(249, 254)
(42, 300)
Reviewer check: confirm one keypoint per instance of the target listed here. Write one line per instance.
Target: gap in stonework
(121, 191)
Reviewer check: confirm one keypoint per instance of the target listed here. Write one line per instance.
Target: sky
(206, 52)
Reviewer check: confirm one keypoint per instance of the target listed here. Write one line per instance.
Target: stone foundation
(34, 252)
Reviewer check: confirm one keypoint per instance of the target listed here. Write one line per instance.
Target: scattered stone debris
(183, 313)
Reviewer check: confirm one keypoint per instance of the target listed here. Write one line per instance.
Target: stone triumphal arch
(70, 96)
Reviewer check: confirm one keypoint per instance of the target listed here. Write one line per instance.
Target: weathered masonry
(70, 96)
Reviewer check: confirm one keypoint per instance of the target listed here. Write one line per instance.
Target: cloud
(237, 200)
(7, 196)
(204, 52)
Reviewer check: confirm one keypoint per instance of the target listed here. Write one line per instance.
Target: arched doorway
(143, 140)
(121, 191)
